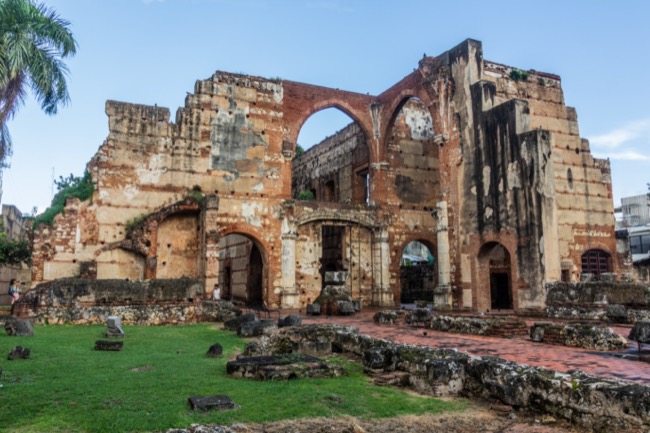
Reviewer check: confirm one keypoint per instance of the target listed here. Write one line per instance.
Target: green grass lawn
(66, 386)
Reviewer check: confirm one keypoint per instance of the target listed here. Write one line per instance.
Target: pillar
(442, 293)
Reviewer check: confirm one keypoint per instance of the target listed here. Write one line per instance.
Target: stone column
(442, 293)
(382, 295)
(290, 298)
(211, 245)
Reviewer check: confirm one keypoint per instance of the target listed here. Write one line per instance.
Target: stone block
(346, 308)
(114, 327)
(215, 351)
(291, 320)
(109, 345)
(537, 331)
(617, 313)
(314, 309)
(256, 328)
(18, 352)
(336, 278)
(19, 328)
(235, 324)
(212, 402)
(315, 348)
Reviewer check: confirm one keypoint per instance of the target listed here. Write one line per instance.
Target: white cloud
(616, 138)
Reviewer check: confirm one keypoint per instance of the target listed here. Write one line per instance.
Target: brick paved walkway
(523, 351)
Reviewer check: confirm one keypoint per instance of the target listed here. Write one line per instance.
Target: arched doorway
(417, 273)
(596, 262)
(496, 275)
(242, 269)
(332, 160)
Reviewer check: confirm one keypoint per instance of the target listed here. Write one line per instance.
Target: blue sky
(153, 51)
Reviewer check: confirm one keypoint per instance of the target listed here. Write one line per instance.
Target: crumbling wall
(581, 183)
(413, 175)
(338, 162)
(459, 154)
(178, 247)
(598, 300)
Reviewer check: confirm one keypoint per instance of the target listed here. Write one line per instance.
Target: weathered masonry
(480, 162)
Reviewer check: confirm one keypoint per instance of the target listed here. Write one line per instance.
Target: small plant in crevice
(306, 196)
(133, 223)
(196, 195)
(519, 75)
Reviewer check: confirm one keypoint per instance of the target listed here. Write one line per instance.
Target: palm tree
(33, 42)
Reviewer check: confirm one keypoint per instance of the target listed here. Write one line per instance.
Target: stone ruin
(336, 297)
(594, 403)
(282, 367)
(480, 161)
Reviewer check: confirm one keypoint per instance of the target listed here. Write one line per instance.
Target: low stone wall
(598, 300)
(88, 301)
(596, 403)
(505, 327)
(585, 335)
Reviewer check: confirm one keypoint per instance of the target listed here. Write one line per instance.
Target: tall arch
(335, 169)
(495, 282)
(417, 271)
(243, 268)
(301, 100)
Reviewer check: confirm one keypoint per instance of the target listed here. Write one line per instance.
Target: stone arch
(243, 267)
(424, 278)
(495, 284)
(357, 218)
(337, 168)
(301, 100)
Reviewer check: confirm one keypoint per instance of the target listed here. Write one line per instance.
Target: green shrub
(518, 74)
(306, 195)
(70, 187)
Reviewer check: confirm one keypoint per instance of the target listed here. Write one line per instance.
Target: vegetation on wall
(14, 252)
(299, 150)
(518, 74)
(305, 195)
(67, 187)
(196, 194)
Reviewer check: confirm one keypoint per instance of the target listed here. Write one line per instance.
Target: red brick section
(520, 350)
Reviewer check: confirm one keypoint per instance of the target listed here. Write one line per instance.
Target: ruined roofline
(495, 69)
(154, 112)
(279, 80)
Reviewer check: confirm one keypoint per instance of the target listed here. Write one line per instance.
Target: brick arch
(430, 241)
(480, 247)
(301, 101)
(264, 250)
(397, 103)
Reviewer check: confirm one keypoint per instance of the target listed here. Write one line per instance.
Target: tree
(33, 42)
(14, 252)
